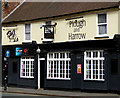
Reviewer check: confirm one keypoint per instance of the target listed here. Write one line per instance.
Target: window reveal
(94, 65)
(58, 65)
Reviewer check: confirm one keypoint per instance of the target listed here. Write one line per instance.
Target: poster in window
(79, 69)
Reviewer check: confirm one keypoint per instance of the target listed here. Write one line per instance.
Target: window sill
(22, 77)
(58, 79)
(98, 37)
(94, 80)
(47, 39)
(27, 41)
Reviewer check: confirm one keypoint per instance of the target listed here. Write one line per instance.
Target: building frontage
(63, 45)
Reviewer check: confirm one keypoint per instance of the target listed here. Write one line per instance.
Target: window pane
(27, 37)
(88, 54)
(102, 18)
(51, 55)
(102, 29)
(68, 55)
(55, 55)
(95, 54)
(23, 74)
(101, 54)
(27, 27)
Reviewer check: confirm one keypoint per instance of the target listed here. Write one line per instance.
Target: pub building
(63, 45)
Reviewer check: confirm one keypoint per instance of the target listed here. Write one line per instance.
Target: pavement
(58, 93)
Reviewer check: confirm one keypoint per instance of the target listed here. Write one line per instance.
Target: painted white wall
(63, 29)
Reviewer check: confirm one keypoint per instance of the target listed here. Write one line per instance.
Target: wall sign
(7, 53)
(12, 36)
(77, 25)
(72, 36)
(18, 51)
(79, 68)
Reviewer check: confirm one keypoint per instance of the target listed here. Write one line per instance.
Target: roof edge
(60, 15)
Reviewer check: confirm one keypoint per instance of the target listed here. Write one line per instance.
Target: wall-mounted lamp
(38, 50)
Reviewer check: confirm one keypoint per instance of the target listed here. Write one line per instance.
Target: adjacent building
(8, 7)
(63, 45)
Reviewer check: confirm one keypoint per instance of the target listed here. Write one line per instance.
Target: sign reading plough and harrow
(77, 25)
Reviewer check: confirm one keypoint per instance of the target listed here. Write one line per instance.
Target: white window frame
(94, 58)
(25, 33)
(98, 24)
(27, 60)
(66, 59)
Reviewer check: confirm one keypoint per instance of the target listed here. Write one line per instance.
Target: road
(5, 94)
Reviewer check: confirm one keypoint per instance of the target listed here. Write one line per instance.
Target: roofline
(13, 10)
(116, 6)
